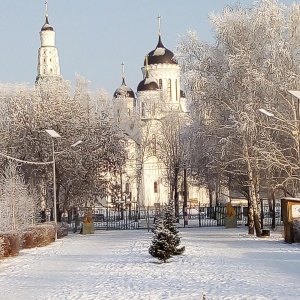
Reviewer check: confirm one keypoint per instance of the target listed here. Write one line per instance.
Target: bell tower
(48, 61)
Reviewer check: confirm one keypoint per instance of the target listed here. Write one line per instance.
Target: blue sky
(94, 37)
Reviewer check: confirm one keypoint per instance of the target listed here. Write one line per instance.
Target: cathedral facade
(140, 116)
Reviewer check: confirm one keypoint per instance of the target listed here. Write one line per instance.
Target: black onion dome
(160, 55)
(124, 89)
(182, 94)
(47, 26)
(147, 85)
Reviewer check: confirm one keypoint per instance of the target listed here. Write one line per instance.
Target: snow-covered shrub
(9, 244)
(14, 240)
(62, 230)
(47, 234)
(27, 240)
(4, 245)
(38, 236)
(51, 230)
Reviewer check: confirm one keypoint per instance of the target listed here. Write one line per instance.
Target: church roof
(124, 89)
(160, 55)
(147, 84)
(47, 26)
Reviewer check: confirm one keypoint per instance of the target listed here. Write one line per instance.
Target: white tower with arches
(48, 61)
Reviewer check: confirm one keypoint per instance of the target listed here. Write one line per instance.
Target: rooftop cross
(123, 70)
(46, 8)
(159, 25)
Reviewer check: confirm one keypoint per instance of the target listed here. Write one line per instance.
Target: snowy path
(225, 264)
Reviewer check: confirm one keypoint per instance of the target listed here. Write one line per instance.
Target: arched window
(118, 116)
(127, 187)
(176, 88)
(155, 187)
(160, 83)
(169, 89)
(153, 109)
(143, 109)
(128, 111)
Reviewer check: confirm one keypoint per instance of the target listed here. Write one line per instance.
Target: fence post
(107, 214)
(199, 214)
(262, 213)
(274, 211)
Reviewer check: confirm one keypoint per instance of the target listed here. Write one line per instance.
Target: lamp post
(269, 114)
(53, 134)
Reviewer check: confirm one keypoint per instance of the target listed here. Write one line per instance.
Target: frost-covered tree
(17, 204)
(80, 115)
(172, 150)
(252, 65)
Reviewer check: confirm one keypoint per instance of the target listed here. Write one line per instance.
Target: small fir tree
(166, 238)
(170, 224)
(162, 247)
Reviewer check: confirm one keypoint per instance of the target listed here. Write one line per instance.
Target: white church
(139, 115)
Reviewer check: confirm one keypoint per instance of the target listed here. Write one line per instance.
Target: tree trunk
(176, 198)
(273, 210)
(58, 217)
(70, 215)
(210, 192)
(250, 219)
(217, 194)
(138, 192)
(254, 209)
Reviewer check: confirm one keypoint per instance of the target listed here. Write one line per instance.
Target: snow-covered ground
(222, 263)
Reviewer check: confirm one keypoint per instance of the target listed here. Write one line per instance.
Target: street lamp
(53, 134)
(267, 113)
(295, 93)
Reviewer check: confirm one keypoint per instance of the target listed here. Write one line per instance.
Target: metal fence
(143, 218)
